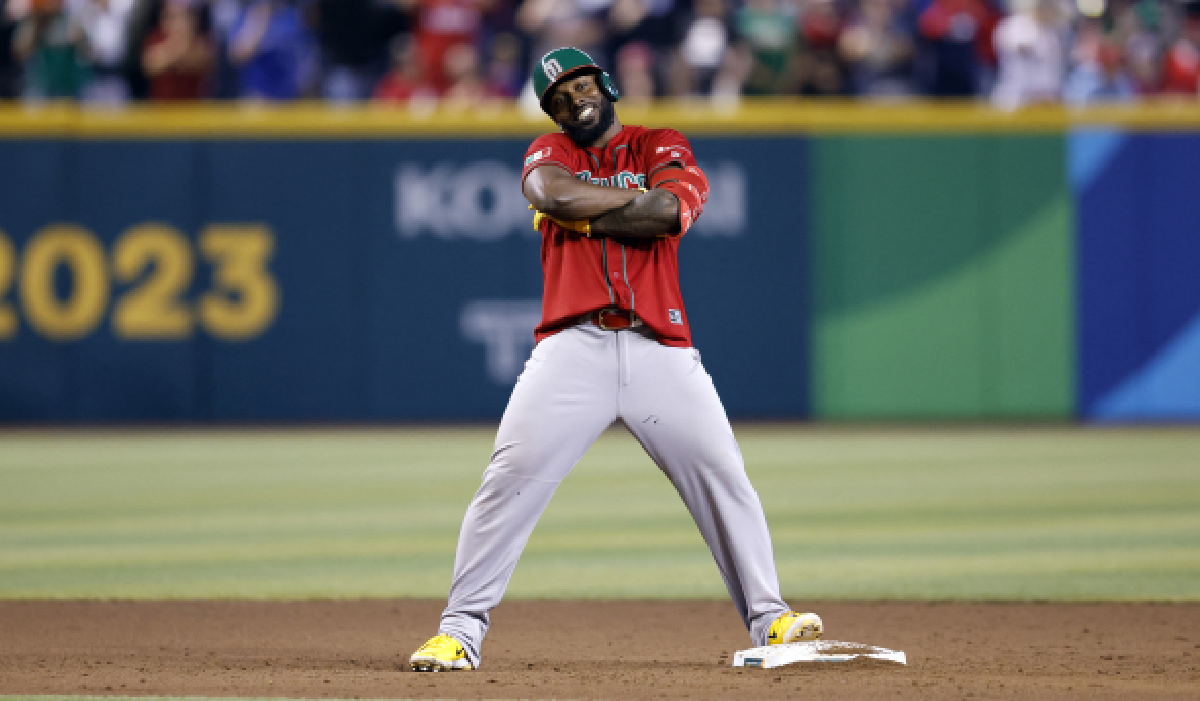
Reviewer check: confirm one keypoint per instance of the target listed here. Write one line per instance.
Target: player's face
(577, 101)
(581, 109)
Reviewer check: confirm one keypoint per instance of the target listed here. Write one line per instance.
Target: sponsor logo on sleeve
(535, 157)
(675, 316)
(676, 151)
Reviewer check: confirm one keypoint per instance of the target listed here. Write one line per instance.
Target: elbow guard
(689, 186)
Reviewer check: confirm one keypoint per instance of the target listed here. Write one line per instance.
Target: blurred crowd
(468, 52)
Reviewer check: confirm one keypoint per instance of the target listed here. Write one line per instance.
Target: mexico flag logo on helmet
(560, 64)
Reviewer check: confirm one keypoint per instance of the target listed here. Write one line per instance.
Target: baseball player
(612, 202)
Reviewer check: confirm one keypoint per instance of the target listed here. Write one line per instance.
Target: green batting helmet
(560, 64)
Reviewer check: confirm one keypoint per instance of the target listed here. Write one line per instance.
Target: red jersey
(582, 274)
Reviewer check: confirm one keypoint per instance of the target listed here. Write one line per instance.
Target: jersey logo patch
(539, 155)
(623, 179)
(675, 150)
(675, 316)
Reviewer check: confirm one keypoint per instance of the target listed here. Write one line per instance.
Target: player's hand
(538, 218)
(582, 226)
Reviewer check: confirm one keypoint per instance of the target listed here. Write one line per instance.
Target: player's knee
(526, 459)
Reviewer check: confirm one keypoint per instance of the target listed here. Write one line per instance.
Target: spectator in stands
(105, 25)
(269, 46)
(178, 56)
(549, 24)
(1139, 29)
(768, 28)
(354, 37)
(820, 68)
(652, 25)
(705, 44)
(1181, 65)
(505, 75)
(51, 44)
(224, 83)
(442, 24)
(496, 17)
(408, 80)
(878, 50)
(730, 81)
(1098, 71)
(10, 69)
(460, 50)
(635, 73)
(1031, 55)
(466, 90)
(956, 40)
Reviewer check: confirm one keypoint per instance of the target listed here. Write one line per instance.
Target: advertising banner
(267, 280)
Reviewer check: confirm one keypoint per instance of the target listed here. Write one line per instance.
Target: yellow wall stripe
(754, 116)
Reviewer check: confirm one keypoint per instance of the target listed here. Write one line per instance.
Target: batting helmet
(560, 64)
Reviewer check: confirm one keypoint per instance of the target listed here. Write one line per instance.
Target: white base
(813, 651)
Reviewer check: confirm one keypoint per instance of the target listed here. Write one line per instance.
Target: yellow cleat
(792, 627)
(441, 654)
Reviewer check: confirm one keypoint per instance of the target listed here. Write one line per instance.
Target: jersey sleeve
(546, 150)
(671, 166)
(667, 147)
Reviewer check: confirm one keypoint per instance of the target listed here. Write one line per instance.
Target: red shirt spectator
(820, 25)
(408, 78)
(177, 58)
(1181, 65)
(441, 25)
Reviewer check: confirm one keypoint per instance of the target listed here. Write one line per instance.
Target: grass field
(856, 513)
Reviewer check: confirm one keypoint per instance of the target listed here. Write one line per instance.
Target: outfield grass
(1006, 514)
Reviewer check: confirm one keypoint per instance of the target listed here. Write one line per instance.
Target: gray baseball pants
(575, 385)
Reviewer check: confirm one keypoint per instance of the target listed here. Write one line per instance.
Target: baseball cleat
(441, 654)
(792, 627)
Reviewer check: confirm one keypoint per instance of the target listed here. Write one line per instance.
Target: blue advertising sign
(1138, 287)
(346, 280)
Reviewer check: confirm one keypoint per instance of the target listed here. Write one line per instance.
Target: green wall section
(943, 278)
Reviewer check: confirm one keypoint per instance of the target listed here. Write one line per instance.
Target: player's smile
(585, 114)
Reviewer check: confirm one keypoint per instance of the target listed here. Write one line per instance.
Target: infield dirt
(594, 649)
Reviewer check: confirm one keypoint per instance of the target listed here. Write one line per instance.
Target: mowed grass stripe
(952, 513)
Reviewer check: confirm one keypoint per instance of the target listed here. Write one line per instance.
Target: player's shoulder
(664, 137)
(555, 139)
(662, 143)
(550, 148)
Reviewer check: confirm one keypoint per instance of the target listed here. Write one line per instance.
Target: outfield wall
(321, 265)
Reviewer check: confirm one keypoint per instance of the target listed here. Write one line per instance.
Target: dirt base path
(358, 649)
